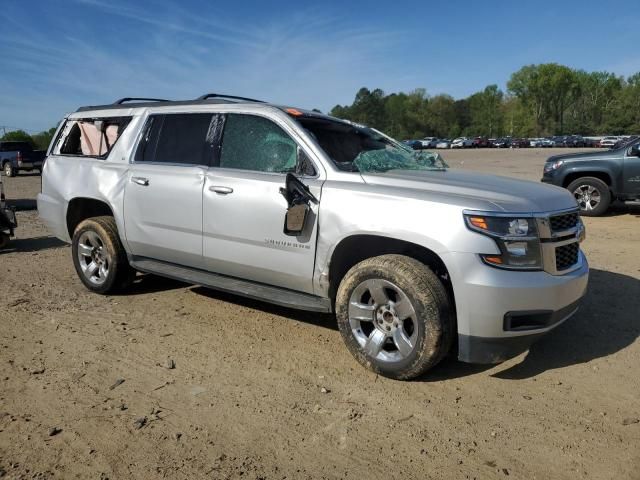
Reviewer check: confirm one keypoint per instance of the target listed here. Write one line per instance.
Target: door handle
(221, 190)
(140, 181)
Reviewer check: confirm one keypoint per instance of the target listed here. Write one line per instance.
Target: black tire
(4, 240)
(433, 326)
(119, 272)
(591, 186)
(8, 169)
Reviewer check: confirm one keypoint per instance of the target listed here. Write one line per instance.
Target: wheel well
(354, 249)
(80, 209)
(574, 176)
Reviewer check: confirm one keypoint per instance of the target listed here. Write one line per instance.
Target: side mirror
(634, 151)
(298, 198)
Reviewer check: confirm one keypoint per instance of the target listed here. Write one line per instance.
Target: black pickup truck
(598, 178)
(16, 156)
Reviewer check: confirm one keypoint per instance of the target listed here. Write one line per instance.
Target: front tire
(395, 316)
(99, 257)
(592, 195)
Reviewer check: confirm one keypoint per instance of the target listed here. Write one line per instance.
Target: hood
(507, 194)
(602, 155)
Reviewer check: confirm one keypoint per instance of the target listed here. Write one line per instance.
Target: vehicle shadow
(618, 209)
(34, 244)
(147, 283)
(324, 320)
(23, 204)
(606, 323)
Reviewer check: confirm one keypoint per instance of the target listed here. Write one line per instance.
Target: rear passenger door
(163, 194)
(244, 211)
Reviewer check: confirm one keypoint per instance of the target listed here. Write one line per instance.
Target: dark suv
(597, 178)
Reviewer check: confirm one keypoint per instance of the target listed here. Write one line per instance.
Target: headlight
(516, 237)
(551, 166)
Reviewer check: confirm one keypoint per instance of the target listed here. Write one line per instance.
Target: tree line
(541, 100)
(39, 141)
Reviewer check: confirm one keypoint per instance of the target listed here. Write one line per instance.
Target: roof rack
(136, 99)
(207, 96)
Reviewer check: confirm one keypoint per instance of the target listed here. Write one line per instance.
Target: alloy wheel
(383, 320)
(93, 258)
(588, 197)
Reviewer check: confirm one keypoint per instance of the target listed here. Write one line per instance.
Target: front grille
(567, 256)
(560, 223)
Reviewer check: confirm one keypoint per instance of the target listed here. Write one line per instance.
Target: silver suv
(300, 209)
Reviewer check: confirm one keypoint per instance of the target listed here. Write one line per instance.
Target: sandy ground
(262, 392)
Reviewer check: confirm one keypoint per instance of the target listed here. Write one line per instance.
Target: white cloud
(306, 58)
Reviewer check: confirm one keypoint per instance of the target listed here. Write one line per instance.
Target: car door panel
(163, 219)
(163, 193)
(243, 230)
(244, 211)
(631, 175)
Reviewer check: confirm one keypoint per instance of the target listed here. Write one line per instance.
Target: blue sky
(56, 55)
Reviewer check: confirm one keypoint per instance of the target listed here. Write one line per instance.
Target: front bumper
(500, 313)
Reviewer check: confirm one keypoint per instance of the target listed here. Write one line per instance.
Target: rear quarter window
(90, 137)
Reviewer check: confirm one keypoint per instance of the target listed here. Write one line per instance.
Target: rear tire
(395, 316)
(592, 195)
(99, 257)
(9, 171)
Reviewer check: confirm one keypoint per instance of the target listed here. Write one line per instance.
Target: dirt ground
(262, 392)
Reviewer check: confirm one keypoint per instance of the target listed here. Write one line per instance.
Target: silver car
(300, 209)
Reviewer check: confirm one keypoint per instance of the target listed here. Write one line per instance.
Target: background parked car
(574, 141)
(480, 142)
(443, 143)
(625, 140)
(502, 142)
(16, 156)
(520, 143)
(429, 142)
(462, 142)
(608, 142)
(415, 144)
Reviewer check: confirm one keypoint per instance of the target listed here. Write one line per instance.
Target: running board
(245, 288)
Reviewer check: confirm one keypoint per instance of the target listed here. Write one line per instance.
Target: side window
(91, 137)
(183, 138)
(255, 143)
(178, 138)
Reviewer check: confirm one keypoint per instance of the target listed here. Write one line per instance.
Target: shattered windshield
(360, 149)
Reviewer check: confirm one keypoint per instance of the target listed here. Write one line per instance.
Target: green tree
(17, 136)
(43, 139)
(441, 113)
(486, 112)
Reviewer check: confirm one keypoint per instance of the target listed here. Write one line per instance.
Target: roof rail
(135, 99)
(207, 96)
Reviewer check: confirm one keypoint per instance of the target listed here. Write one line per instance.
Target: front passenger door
(631, 170)
(244, 211)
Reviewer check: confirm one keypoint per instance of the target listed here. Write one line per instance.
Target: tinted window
(256, 143)
(182, 138)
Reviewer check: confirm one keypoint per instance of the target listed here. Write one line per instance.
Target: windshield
(361, 149)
